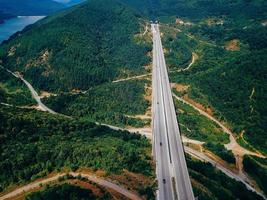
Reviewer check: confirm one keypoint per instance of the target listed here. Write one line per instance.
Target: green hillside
(232, 81)
(196, 9)
(108, 103)
(4, 16)
(78, 48)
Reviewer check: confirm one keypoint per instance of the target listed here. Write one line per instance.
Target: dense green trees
(199, 9)
(178, 53)
(221, 151)
(233, 82)
(257, 168)
(13, 91)
(107, 103)
(213, 184)
(40, 143)
(62, 53)
(64, 192)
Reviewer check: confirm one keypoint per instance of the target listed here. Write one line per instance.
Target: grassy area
(196, 126)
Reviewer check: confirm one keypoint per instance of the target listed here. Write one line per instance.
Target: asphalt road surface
(172, 173)
(32, 90)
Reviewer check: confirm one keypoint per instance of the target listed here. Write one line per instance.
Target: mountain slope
(196, 9)
(4, 16)
(84, 46)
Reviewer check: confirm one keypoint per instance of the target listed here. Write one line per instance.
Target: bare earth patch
(264, 23)
(233, 45)
(180, 87)
(214, 21)
(132, 181)
(12, 50)
(46, 94)
(208, 110)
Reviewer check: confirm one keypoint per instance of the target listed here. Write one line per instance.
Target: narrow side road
(232, 145)
(194, 58)
(132, 78)
(201, 156)
(35, 95)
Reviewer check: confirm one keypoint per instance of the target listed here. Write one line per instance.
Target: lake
(14, 25)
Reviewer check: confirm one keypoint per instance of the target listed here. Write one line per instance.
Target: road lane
(168, 149)
(160, 140)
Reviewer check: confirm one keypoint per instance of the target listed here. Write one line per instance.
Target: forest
(195, 9)
(41, 143)
(239, 90)
(79, 52)
(65, 192)
(13, 91)
(107, 103)
(257, 168)
(61, 53)
(209, 183)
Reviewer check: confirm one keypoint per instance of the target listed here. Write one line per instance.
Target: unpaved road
(132, 77)
(194, 58)
(90, 177)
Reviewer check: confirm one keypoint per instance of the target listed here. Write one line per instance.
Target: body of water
(13, 25)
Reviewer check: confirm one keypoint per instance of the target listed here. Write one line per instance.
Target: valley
(76, 100)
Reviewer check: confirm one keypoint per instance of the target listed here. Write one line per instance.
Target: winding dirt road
(90, 177)
(132, 77)
(194, 58)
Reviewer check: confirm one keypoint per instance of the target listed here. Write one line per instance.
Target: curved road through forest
(99, 181)
(196, 154)
(35, 95)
